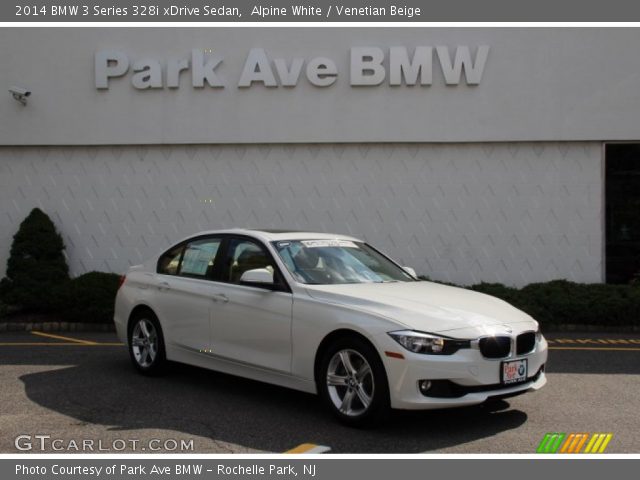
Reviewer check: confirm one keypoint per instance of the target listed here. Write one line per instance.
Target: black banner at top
(319, 11)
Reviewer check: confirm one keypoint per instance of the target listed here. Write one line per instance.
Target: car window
(199, 257)
(244, 255)
(337, 261)
(170, 261)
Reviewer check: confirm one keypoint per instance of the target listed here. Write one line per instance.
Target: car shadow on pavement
(104, 389)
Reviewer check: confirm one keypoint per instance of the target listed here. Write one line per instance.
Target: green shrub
(37, 280)
(560, 302)
(36, 265)
(563, 302)
(88, 298)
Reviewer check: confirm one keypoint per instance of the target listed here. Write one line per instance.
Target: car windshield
(326, 262)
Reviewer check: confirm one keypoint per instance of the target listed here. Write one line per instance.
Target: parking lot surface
(78, 392)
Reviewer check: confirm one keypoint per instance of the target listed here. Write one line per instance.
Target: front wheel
(353, 382)
(146, 343)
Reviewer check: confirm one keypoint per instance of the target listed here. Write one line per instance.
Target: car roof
(279, 234)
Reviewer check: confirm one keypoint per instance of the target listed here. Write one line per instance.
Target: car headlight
(538, 335)
(419, 342)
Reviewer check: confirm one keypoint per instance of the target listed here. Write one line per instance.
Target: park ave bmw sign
(368, 66)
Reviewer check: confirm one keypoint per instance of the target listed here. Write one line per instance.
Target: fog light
(424, 385)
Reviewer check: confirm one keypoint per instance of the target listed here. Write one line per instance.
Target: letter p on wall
(109, 63)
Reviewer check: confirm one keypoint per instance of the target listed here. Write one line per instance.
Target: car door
(251, 324)
(184, 293)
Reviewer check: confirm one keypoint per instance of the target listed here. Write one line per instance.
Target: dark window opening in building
(622, 216)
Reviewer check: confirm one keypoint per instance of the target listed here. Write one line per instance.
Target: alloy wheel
(144, 342)
(350, 382)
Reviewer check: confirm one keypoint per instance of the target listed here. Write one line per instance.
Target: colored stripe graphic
(556, 442)
(574, 443)
(550, 443)
(598, 443)
(606, 441)
(580, 443)
(570, 443)
(543, 443)
(590, 444)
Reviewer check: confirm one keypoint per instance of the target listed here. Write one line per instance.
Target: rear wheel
(146, 343)
(353, 382)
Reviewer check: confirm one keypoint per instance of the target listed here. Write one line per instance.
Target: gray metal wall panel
(513, 212)
(539, 84)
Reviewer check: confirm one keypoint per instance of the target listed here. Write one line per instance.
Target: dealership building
(471, 154)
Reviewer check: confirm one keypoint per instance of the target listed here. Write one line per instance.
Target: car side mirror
(410, 271)
(257, 276)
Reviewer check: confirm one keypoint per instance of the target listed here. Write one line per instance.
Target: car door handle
(164, 286)
(220, 297)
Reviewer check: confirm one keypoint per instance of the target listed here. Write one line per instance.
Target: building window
(622, 174)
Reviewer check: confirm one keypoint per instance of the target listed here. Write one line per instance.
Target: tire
(353, 383)
(146, 343)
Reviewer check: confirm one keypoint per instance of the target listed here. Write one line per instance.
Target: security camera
(20, 94)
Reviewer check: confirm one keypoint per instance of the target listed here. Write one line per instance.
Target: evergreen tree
(36, 268)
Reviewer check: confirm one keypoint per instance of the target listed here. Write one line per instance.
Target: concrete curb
(56, 327)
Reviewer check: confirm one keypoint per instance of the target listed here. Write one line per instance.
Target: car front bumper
(467, 377)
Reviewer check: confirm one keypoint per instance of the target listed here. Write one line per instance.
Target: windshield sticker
(328, 243)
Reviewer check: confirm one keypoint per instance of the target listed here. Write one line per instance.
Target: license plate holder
(514, 372)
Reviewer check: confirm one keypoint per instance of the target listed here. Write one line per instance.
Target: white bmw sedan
(326, 314)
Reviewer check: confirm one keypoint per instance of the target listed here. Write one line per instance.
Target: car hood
(428, 306)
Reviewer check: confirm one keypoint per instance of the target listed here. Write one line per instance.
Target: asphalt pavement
(78, 392)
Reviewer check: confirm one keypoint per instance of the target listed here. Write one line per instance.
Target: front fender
(314, 319)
